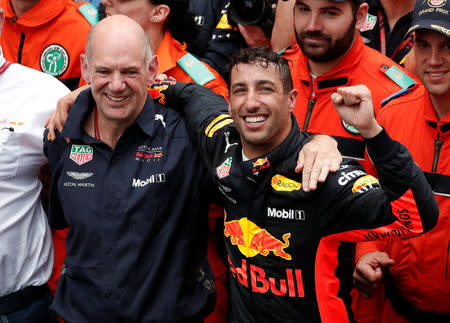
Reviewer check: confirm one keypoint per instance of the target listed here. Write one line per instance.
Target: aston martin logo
(79, 176)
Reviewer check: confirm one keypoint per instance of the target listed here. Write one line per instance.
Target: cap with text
(432, 15)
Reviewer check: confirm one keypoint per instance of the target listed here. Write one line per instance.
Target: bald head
(121, 31)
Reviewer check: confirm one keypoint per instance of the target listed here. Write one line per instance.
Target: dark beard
(333, 50)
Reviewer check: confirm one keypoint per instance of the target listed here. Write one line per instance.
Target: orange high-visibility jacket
(314, 110)
(49, 37)
(422, 264)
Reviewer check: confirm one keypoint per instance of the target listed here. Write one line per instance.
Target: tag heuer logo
(81, 154)
(224, 169)
(54, 60)
(370, 23)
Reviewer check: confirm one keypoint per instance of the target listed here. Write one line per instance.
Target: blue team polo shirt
(137, 218)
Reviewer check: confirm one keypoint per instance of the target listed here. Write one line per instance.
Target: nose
(116, 83)
(436, 57)
(251, 101)
(314, 23)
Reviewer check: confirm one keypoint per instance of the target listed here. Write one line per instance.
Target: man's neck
(108, 132)
(155, 34)
(441, 104)
(22, 6)
(396, 9)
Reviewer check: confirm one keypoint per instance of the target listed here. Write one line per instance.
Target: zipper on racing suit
(311, 104)
(19, 53)
(437, 151)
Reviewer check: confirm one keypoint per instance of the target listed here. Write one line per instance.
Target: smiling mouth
(255, 120)
(116, 98)
(437, 74)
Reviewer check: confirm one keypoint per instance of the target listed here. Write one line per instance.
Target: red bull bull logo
(156, 93)
(253, 240)
(260, 164)
(291, 284)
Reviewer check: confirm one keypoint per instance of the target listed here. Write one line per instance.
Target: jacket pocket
(10, 152)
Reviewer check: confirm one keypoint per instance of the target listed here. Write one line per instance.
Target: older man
(26, 252)
(132, 190)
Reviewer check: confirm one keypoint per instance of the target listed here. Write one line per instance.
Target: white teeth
(435, 74)
(255, 119)
(116, 99)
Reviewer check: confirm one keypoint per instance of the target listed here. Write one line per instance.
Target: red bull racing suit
(286, 248)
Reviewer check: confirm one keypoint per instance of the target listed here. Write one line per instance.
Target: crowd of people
(224, 161)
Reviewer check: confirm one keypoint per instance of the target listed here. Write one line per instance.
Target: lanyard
(4, 67)
(96, 131)
(403, 44)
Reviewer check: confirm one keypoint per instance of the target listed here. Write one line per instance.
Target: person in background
(329, 54)
(27, 97)
(409, 281)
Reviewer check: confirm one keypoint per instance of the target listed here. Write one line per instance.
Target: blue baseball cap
(432, 15)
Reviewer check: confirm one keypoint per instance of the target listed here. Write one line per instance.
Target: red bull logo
(156, 93)
(291, 284)
(252, 240)
(260, 164)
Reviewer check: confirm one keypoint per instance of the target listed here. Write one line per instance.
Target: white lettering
(286, 214)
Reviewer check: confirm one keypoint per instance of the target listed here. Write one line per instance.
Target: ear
(229, 107)
(361, 15)
(292, 99)
(85, 68)
(152, 70)
(160, 13)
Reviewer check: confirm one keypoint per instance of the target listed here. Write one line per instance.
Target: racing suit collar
(83, 106)
(41, 13)
(286, 148)
(442, 126)
(338, 76)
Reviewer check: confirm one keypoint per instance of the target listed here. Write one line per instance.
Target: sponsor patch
(146, 154)
(365, 183)
(54, 60)
(253, 240)
(156, 93)
(224, 169)
(286, 214)
(79, 176)
(81, 154)
(284, 184)
(227, 142)
(260, 164)
(370, 23)
(347, 177)
(160, 117)
(155, 178)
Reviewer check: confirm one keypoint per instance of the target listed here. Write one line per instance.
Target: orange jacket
(313, 109)
(422, 264)
(175, 61)
(49, 37)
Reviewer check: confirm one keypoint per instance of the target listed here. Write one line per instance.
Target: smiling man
(133, 192)
(419, 289)
(284, 245)
(330, 53)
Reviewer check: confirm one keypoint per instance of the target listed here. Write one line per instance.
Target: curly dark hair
(264, 57)
(180, 22)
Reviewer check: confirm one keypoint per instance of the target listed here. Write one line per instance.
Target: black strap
(350, 147)
(440, 184)
(22, 298)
